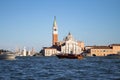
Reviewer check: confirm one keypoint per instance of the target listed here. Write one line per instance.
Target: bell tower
(54, 32)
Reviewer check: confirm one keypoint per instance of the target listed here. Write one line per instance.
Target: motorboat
(70, 56)
(7, 56)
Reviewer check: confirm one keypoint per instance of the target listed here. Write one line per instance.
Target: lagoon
(52, 68)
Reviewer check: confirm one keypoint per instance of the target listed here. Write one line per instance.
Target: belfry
(54, 32)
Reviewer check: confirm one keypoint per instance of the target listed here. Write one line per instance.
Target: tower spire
(54, 23)
(55, 32)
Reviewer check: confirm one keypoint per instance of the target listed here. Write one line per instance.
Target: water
(52, 68)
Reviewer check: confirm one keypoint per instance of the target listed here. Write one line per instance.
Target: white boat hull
(7, 56)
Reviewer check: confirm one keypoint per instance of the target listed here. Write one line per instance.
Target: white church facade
(70, 46)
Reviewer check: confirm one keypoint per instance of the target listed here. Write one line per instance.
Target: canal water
(52, 68)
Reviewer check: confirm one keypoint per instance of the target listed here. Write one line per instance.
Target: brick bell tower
(54, 32)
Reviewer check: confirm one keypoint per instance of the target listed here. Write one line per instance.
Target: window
(103, 50)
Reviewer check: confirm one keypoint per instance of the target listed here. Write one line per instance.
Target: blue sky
(29, 22)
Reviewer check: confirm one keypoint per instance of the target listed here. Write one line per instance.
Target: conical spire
(54, 23)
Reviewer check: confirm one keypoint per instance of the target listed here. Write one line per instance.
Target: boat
(7, 56)
(70, 56)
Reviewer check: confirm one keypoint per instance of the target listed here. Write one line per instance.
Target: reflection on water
(52, 68)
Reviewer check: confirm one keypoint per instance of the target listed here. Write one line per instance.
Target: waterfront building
(29, 53)
(115, 47)
(17, 51)
(69, 45)
(32, 52)
(49, 51)
(24, 52)
(103, 50)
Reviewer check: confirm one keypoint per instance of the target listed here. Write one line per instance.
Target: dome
(69, 37)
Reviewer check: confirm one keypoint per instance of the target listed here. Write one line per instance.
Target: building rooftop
(115, 44)
(101, 47)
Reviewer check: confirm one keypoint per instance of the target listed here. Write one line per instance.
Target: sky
(29, 22)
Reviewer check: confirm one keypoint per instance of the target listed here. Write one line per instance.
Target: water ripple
(52, 68)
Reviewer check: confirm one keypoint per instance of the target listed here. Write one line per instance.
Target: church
(68, 46)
